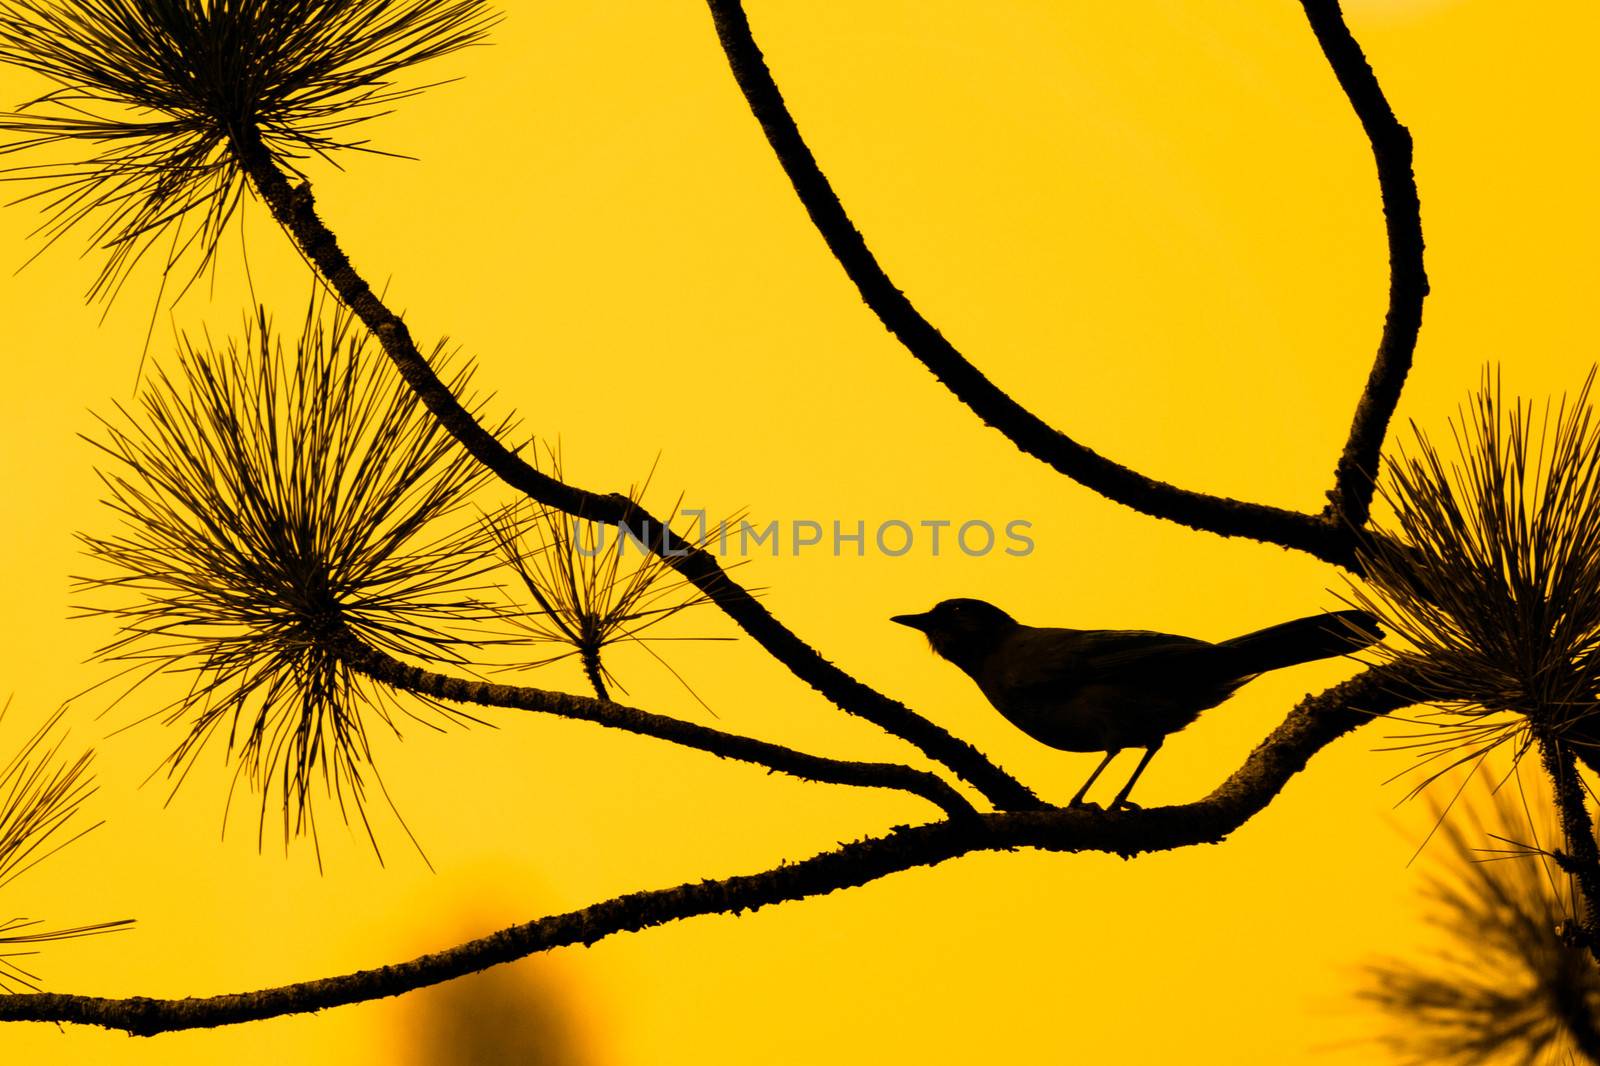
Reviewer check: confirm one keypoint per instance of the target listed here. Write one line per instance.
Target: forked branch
(1311, 726)
(1021, 821)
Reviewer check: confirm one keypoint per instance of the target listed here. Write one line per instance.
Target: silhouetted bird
(1106, 689)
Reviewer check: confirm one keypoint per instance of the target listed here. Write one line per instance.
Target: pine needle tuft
(165, 93)
(1505, 985)
(277, 500)
(592, 586)
(1492, 575)
(42, 792)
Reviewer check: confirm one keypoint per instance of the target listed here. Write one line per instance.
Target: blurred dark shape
(1507, 986)
(520, 1014)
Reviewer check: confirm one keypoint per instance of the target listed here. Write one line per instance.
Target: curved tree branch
(1311, 726)
(1329, 536)
(396, 674)
(1197, 510)
(293, 208)
(1350, 500)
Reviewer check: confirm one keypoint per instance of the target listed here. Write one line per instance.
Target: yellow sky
(1156, 223)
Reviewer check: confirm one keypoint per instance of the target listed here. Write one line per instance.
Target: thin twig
(592, 671)
(391, 671)
(1311, 726)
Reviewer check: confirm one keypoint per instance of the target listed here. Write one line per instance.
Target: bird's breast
(1084, 718)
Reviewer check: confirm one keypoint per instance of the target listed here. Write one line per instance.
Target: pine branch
(200, 99)
(1311, 726)
(1581, 858)
(293, 208)
(436, 686)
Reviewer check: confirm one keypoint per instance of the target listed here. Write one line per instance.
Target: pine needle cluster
(42, 792)
(592, 586)
(1491, 579)
(1504, 986)
(278, 501)
(155, 100)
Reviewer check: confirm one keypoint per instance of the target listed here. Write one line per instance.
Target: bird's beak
(918, 622)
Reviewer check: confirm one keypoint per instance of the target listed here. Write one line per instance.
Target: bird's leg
(1077, 801)
(1122, 797)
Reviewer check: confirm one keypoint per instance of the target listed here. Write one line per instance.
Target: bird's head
(963, 631)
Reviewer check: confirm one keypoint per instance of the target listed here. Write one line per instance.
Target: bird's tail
(1304, 640)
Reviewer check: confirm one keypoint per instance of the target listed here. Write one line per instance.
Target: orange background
(1156, 223)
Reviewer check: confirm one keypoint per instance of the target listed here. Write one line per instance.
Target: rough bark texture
(1311, 726)
(591, 670)
(1582, 854)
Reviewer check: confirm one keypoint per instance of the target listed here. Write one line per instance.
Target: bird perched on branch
(1105, 689)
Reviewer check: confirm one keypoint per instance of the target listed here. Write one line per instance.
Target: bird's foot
(1080, 804)
(1125, 805)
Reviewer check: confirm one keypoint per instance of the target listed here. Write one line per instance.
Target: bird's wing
(1110, 654)
(1101, 690)
(1049, 658)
